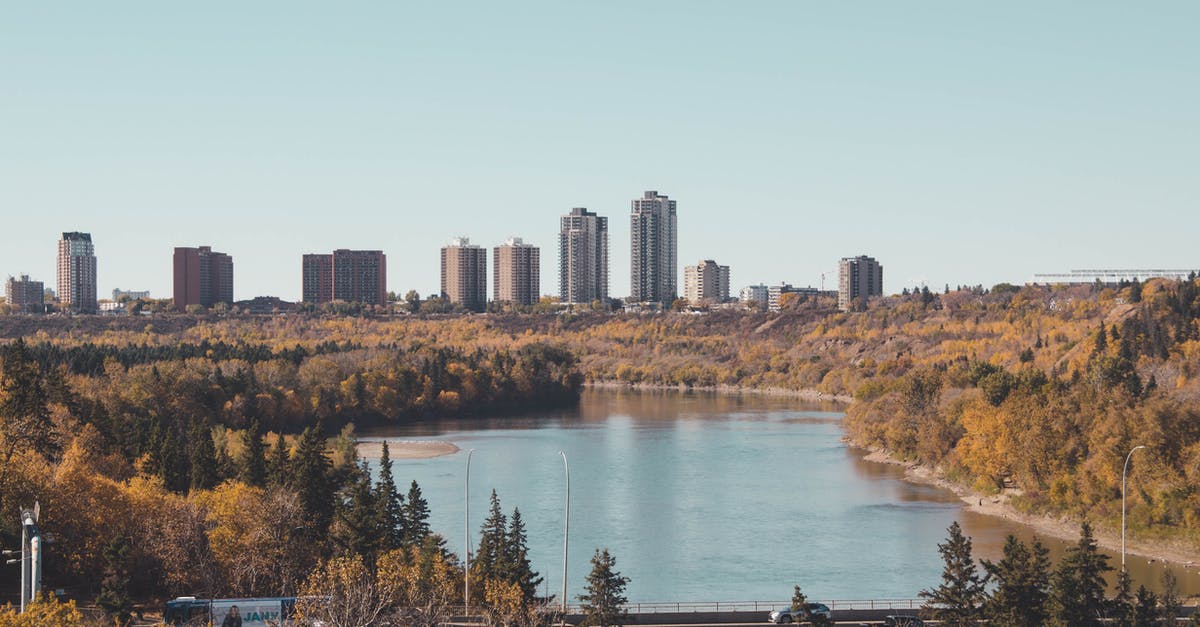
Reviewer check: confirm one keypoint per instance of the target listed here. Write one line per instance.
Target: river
(706, 497)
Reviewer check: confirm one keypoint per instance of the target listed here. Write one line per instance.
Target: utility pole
(31, 556)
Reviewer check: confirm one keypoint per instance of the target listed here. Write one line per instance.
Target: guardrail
(680, 607)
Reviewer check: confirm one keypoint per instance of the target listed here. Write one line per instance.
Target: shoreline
(807, 394)
(1042, 524)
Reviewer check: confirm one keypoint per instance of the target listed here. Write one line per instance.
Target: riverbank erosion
(1000, 506)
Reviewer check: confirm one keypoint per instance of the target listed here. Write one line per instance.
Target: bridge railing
(680, 607)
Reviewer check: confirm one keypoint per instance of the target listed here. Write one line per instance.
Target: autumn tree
(957, 600)
(343, 593)
(25, 422)
(425, 584)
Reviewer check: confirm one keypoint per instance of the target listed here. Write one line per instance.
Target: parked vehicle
(268, 612)
(903, 620)
(788, 615)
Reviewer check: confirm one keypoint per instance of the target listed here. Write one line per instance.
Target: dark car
(788, 615)
(903, 620)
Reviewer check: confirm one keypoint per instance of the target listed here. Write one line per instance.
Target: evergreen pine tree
(278, 467)
(956, 601)
(24, 403)
(389, 505)
(114, 588)
(416, 516)
(359, 530)
(310, 478)
(203, 458)
(1021, 577)
(253, 467)
(1121, 607)
(1145, 610)
(1079, 583)
(174, 461)
(516, 558)
(603, 601)
(1101, 341)
(1171, 605)
(493, 536)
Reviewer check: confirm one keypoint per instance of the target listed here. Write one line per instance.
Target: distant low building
(775, 294)
(118, 294)
(756, 294)
(25, 295)
(1113, 277)
(265, 305)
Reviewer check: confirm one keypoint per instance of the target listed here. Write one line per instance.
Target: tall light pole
(467, 539)
(566, 531)
(1123, 472)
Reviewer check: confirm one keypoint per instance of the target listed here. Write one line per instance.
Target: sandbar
(407, 449)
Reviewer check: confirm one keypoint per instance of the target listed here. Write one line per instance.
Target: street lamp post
(467, 539)
(566, 531)
(1124, 470)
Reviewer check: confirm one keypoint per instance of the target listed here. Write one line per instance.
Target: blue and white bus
(261, 612)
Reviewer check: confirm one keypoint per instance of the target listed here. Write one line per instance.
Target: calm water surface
(704, 497)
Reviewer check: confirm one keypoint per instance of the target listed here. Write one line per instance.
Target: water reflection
(706, 497)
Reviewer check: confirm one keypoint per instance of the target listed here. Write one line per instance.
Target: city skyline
(1005, 138)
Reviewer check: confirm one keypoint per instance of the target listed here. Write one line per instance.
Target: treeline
(1024, 589)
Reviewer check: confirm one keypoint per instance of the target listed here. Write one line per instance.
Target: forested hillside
(1038, 390)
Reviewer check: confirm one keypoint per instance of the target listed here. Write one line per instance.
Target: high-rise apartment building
(360, 276)
(202, 277)
(516, 272)
(354, 276)
(24, 295)
(859, 278)
(317, 278)
(706, 282)
(77, 272)
(653, 262)
(582, 257)
(464, 274)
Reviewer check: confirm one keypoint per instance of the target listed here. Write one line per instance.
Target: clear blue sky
(958, 142)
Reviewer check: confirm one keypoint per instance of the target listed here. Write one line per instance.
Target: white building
(706, 282)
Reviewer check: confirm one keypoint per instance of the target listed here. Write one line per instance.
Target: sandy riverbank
(807, 394)
(1066, 529)
(407, 449)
